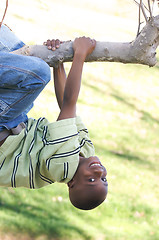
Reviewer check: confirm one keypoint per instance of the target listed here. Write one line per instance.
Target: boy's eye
(91, 180)
(104, 179)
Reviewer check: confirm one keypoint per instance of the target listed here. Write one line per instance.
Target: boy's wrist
(59, 68)
(80, 55)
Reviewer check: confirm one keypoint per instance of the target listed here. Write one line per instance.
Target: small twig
(150, 10)
(153, 5)
(139, 19)
(142, 4)
(143, 11)
(4, 13)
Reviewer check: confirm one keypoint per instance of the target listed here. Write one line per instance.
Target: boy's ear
(71, 183)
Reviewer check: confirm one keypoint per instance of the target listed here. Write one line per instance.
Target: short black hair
(88, 201)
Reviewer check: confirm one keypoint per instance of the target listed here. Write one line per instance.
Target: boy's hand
(52, 44)
(84, 46)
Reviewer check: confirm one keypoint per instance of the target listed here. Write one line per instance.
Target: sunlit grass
(124, 131)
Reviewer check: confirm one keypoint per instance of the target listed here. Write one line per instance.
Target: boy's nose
(98, 172)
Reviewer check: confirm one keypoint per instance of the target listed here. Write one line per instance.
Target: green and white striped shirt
(44, 153)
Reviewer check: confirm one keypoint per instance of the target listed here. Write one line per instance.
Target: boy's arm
(59, 83)
(72, 89)
(59, 74)
(82, 47)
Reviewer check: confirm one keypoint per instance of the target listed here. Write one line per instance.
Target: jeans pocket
(4, 107)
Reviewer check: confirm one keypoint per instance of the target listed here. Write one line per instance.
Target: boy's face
(89, 187)
(91, 173)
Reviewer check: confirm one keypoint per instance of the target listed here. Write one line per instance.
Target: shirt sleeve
(64, 141)
(86, 146)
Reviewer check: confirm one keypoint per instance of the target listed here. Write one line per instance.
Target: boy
(42, 152)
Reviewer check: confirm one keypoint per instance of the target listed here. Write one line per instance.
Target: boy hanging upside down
(35, 153)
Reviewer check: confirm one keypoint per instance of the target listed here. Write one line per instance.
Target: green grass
(119, 105)
(120, 109)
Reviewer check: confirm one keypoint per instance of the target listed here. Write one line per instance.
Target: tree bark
(141, 51)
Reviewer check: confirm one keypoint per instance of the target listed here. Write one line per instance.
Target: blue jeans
(22, 78)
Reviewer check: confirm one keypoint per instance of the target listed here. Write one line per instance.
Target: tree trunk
(142, 50)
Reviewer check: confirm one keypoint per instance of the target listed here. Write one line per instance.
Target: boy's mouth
(95, 163)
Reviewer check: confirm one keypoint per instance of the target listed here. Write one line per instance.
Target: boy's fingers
(94, 42)
(48, 43)
(57, 43)
(53, 44)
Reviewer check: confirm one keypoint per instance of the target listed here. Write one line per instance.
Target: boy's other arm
(58, 73)
(59, 83)
(82, 47)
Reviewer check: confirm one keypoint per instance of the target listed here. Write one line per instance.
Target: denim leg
(22, 78)
(8, 40)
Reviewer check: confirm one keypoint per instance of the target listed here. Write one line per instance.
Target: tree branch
(142, 50)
